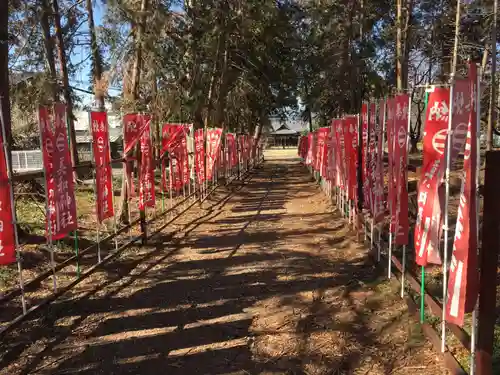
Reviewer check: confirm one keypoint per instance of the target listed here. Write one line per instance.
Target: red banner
(174, 142)
(460, 118)
(321, 135)
(133, 126)
(371, 167)
(184, 161)
(213, 150)
(351, 144)
(231, 146)
(171, 135)
(100, 147)
(7, 239)
(339, 153)
(401, 174)
(58, 173)
(364, 156)
(378, 205)
(428, 225)
(391, 116)
(175, 172)
(463, 278)
(199, 155)
(327, 169)
(147, 177)
(310, 148)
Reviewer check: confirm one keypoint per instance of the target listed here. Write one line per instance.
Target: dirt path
(267, 281)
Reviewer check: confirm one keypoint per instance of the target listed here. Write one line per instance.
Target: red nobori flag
(310, 148)
(347, 155)
(58, 172)
(174, 141)
(460, 118)
(372, 159)
(175, 171)
(133, 126)
(213, 149)
(184, 158)
(100, 146)
(328, 167)
(167, 133)
(427, 227)
(339, 153)
(321, 134)
(146, 179)
(400, 168)
(391, 117)
(7, 239)
(351, 142)
(463, 280)
(199, 155)
(378, 193)
(172, 134)
(231, 146)
(364, 155)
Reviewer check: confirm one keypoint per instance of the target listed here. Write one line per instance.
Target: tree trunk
(155, 123)
(4, 73)
(406, 43)
(66, 88)
(399, 46)
(214, 79)
(133, 96)
(49, 48)
(223, 91)
(492, 115)
(99, 85)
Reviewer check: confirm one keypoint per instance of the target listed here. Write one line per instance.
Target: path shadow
(198, 314)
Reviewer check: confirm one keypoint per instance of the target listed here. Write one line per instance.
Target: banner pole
(478, 168)
(75, 232)
(422, 295)
(170, 180)
(389, 257)
(379, 250)
(163, 172)
(94, 177)
(77, 253)
(422, 271)
(371, 236)
(447, 176)
(381, 174)
(13, 211)
(405, 171)
(446, 219)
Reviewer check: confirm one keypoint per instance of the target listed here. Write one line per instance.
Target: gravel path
(263, 280)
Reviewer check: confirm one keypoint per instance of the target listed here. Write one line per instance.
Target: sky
(80, 53)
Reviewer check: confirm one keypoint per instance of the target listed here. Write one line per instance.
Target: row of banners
(333, 152)
(61, 216)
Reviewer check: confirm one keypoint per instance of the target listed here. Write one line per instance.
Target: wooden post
(488, 260)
